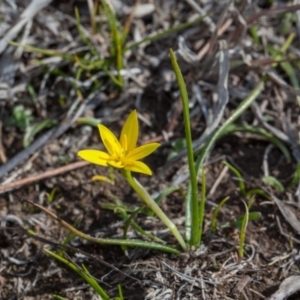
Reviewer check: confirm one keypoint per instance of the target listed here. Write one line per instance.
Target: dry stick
(16, 174)
(220, 29)
(36, 145)
(130, 18)
(175, 116)
(53, 133)
(2, 152)
(266, 12)
(27, 15)
(54, 172)
(218, 181)
(240, 286)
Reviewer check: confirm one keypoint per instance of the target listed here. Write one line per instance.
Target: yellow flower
(123, 153)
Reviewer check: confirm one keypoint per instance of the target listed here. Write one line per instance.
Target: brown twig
(175, 115)
(2, 153)
(266, 12)
(54, 172)
(211, 41)
(50, 173)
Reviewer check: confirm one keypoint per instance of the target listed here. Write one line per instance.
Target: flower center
(119, 157)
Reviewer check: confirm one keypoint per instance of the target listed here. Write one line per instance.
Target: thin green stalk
(239, 177)
(286, 65)
(117, 242)
(120, 292)
(130, 222)
(232, 128)
(202, 152)
(139, 189)
(236, 114)
(46, 52)
(244, 225)
(57, 297)
(215, 215)
(117, 49)
(165, 33)
(120, 64)
(195, 230)
(83, 273)
(83, 35)
(243, 231)
(202, 204)
(120, 208)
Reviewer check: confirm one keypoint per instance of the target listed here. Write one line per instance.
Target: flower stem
(139, 189)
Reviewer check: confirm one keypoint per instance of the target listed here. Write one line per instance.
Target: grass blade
(104, 241)
(194, 205)
(202, 204)
(239, 176)
(260, 132)
(236, 114)
(81, 272)
(215, 215)
(243, 231)
(165, 33)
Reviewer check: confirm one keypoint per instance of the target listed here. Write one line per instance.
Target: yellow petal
(94, 156)
(110, 141)
(130, 131)
(139, 167)
(142, 151)
(115, 164)
(102, 178)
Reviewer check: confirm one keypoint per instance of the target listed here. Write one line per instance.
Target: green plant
(21, 117)
(124, 155)
(83, 272)
(193, 204)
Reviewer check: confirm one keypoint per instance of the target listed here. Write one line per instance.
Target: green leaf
(59, 297)
(31, 131)
(243, 229)
(239, 176)
(253, 216)
(51, 195)
(296, 177)
(257, 191)
(232, 128)
(177, 145)
(81, 272)
(272, 181)
(192, 200)
(254, 34)
(215, 214)
(120, 293)
(21, 117)
(156, 36)
(236, 114)
(117, 38)
(203, 152)
(88, 121)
